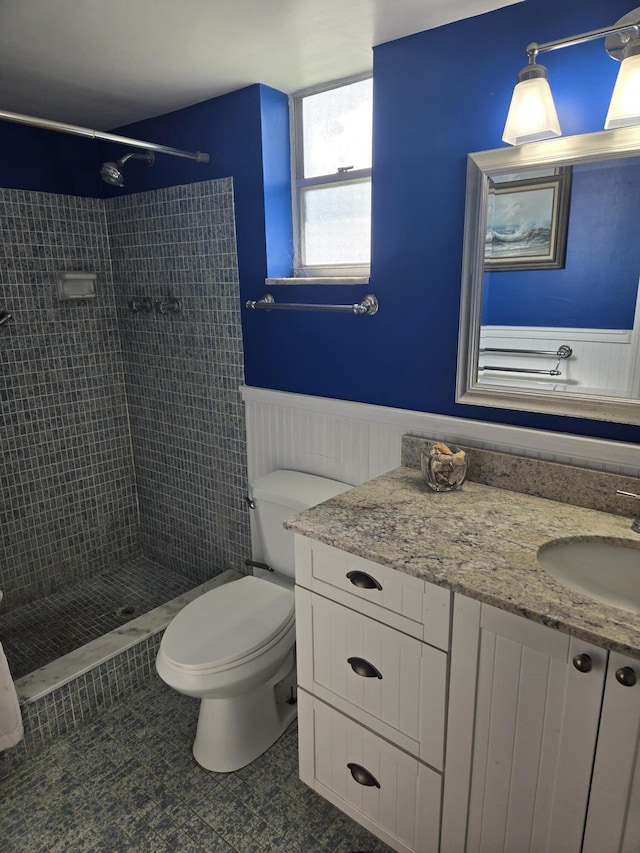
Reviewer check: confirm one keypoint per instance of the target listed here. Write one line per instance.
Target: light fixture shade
(532, 115)
(624, 109)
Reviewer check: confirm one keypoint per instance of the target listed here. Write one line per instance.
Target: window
(332, 187)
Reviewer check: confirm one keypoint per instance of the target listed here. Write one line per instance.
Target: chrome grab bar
(5, 316)
(368, 306)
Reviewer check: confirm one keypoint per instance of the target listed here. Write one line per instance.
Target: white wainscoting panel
(355, 442)
(303, 439)
(600, 362)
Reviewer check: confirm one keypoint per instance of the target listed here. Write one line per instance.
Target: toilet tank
(279, 495)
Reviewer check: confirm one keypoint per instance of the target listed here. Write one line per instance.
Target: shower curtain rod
(76, 130)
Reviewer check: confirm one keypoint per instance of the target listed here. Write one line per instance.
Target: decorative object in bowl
(444, 466)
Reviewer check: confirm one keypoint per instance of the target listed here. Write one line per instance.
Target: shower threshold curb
(42, 681)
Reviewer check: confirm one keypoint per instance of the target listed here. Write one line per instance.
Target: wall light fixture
(532, 114)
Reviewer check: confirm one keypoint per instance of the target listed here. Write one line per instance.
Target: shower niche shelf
(76, 285)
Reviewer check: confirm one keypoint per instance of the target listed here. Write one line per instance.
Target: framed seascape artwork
(527, 220)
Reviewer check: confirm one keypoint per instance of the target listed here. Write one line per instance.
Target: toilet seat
(227, 626)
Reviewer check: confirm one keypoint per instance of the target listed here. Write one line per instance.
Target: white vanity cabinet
(441, 723)
(372, 648)
(613, 818)
(542, 740)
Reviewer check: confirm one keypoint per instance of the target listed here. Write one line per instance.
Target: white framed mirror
(550, 316)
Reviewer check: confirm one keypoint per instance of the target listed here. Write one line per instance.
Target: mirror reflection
(552, 274)
(584, 299)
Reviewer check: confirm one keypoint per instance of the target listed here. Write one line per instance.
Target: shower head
(111, 173)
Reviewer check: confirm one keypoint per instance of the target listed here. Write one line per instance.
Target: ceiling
(106, 63)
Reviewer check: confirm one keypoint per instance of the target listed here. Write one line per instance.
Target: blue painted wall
(232, 129)
(598, 286)
(46, 161)
(437, 96)
(276, 170)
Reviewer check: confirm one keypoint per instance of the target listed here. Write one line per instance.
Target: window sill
(334, 279)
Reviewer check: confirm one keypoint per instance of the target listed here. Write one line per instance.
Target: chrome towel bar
(368, 306)
(562, 352)
(524, 370)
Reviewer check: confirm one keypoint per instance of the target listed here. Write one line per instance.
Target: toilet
(234, 646)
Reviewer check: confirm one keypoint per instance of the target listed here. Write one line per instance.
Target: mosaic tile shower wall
(182, 373)
(67, 501)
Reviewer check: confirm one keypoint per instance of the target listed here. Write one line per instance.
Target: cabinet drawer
(399, 600)
(387, 791)
(387, 680)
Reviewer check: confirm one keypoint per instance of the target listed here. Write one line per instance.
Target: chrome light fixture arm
(621, 29)
(532, 114)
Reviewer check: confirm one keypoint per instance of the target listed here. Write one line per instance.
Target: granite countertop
(480, 541)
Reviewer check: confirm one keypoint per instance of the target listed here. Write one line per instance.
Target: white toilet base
(234, 731)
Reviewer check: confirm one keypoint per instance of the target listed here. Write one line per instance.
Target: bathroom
(327, 394)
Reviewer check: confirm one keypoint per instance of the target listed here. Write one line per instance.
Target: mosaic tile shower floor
(37, 633)
(128, 782)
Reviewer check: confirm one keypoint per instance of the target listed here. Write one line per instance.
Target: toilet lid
(227, 623)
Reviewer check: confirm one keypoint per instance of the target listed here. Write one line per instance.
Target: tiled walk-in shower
(127, 782)
(37, 633)
(123, 432)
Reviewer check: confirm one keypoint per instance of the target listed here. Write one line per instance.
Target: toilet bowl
(233, 647)
(229, 648)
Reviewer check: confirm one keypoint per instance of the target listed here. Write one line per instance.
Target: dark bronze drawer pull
(363, 581)
(362, 776)
(362, 667)
(583, 663)
(626, 676)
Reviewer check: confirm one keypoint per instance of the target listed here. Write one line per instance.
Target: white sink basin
(606, 571)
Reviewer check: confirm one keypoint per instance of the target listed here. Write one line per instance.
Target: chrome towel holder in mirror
(560, 354)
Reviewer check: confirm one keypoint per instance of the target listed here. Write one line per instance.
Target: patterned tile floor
(128, 782)
(35, 634)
